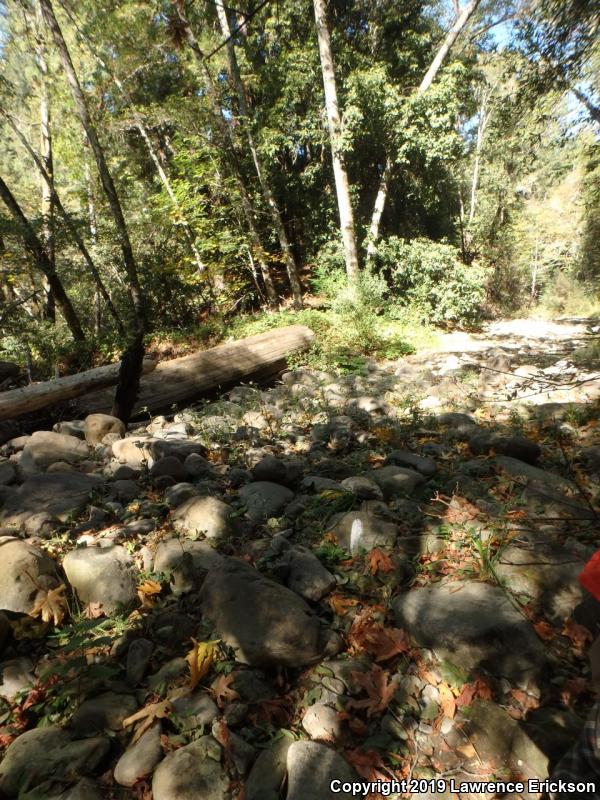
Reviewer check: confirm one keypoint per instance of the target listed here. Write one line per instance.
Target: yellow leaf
(447, 700)
(200, 659)
(51, 605)
(149, 587)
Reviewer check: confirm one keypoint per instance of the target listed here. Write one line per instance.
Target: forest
(299, 392)
(170, 172)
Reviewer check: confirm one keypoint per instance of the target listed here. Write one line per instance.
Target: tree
(342, 184)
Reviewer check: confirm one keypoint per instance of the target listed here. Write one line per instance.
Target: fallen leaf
(148, 714)
(379, 687)
(147, 590)
(379, 561)
(478, 689)
(340, 605)
(223, 691)
(447, 701)
(544, 630)
(369, 764)
(578, 634)
(200, 659)
(383, 643)
(93, 611)
(573, 689)
(526, 701)
(51, 605)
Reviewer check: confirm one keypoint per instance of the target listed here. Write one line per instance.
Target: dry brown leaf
(223, 691)
(578, 634)
(51, 605)
(379, 561)
(379, 687)
(526, 701)
(368, 764)
(148, 714)
(447, 701)
(340, 605)
(93, 611)
(384, 643)
(544, 630)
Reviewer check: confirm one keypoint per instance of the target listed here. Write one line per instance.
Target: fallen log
(183, 380)
(18, 402)
(170, 383)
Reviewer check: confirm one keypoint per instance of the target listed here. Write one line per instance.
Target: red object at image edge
(589, 576)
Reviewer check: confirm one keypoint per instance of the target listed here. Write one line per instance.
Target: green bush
(429, 278)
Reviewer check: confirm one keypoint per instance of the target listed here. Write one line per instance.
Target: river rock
(264, 499)
(203, 515)
(15, 676)
(518, 447)
(104, 575)
(140, 758)
(525, 472)
(404, 458)
(397, 481)
(8, 472)
(361, 530)
(97, 426)
(24, 567)
(192, 772)
(59, 495)
(263, 621)
(474, 626)
(184, 560)
(48, 752)
(46, 447)
(311, 767)
(106, 711)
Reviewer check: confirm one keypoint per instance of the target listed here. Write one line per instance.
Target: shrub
(430, 278)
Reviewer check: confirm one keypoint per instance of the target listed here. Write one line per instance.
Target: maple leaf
(380, 562)
(149, 714)
(223, 691)
(340, 604)
(470, 691)
(384, 643)
(147, 590)
(51, 605)
(578, 634)
(544, 630)
(200, 659)
(447, 701)
(379, 688)
(525, 700)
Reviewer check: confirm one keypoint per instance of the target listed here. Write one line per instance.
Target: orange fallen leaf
(223, 691)
(340, 605)
(368, 764)
(447, 701)
(148, 714)
(544, 630)
(93, 611)
(525, 700)
(379, 687)
(383, 643)
(379, 561)
(51, 605)
(578, 634)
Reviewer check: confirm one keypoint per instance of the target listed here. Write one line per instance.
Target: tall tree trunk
(593, 110)
(261, 173)
(47, 203)
(132, 360)
(229, 147)
(48, 181)
(342, 184)
(461, 20)
(42, 262)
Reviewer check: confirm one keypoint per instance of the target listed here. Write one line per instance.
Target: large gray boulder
(184, 560)
(203, 515)
(46, 447)
(60, 495)
(48, 753)
(140, 758)
(397, 481)
(136, 451)
(24, 567)
(263, 621)
(474, 626)
(104, 575)
(191, 773)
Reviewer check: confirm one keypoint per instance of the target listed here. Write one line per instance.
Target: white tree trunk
(461, 20)
(342, 184)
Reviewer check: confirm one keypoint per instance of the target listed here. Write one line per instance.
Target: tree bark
(234, 161)
(461, 20)
(56, 202)
(40, 257)
(236, 80)
(108, 185)
(131, 365)
(342, 184)
(593, 110)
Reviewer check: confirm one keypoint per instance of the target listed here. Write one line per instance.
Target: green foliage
(430, 278)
